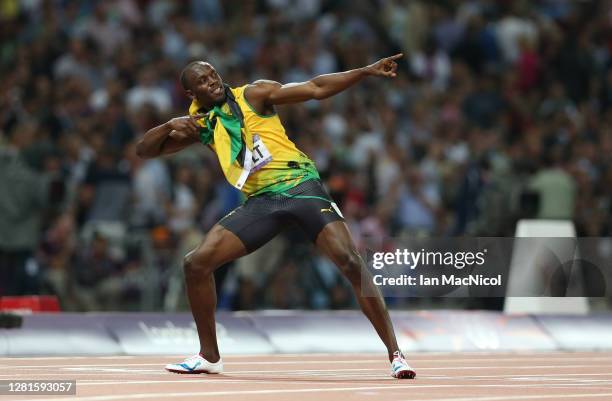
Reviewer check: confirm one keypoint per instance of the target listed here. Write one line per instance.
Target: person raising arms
(282, 186)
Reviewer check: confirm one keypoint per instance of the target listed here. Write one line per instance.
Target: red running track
(325, 377)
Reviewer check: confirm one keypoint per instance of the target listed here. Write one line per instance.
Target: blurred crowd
(501, 110)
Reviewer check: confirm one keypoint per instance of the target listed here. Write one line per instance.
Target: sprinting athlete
(282, 185)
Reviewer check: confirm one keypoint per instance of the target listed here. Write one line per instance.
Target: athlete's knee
(350, 263)
(199, 262)
(187, 262)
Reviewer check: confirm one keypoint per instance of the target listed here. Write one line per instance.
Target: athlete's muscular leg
(336, 243)
(219, 247)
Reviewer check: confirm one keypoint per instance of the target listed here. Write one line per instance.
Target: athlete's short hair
(188, 68)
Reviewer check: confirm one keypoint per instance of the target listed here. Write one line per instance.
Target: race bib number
(261, 154)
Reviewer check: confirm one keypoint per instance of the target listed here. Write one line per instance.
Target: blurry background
(502, 110)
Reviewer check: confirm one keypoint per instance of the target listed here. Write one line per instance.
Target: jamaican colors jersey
(276, 163)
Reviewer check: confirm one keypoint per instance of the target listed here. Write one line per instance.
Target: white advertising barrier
(3, 343)
(176, 334)
(534, 263)
(579, 333)
(465, 331)
(60, 334)
(272, 332)
(304, 332)
(436, 331)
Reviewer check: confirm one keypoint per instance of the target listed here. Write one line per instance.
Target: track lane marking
(517, 397)
(301, 362)
(122, 366)
(309, 390)
(97, 370)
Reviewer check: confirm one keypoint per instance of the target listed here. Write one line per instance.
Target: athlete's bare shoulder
(260, 89)
(265, 82)
(257, 94)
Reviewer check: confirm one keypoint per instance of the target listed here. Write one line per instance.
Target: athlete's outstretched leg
(219, 247)
(336, 243)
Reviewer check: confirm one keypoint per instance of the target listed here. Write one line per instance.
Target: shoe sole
(197, 372)
(405, 374)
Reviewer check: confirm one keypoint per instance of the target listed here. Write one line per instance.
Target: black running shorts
(262, 217)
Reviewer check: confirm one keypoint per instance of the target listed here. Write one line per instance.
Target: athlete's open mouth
(217, 90)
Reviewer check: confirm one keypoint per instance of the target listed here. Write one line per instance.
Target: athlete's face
(205, 85)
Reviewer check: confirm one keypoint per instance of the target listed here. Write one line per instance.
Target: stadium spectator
(23, 197)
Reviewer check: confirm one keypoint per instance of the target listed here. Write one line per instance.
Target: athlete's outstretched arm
(169, 137)
(269, 93)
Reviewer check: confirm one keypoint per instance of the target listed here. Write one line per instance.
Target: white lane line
(539, 358)
(526, 354)
(382, 363)
(522, 375)
(319, 378)
(117, 357)
(519, 397)
(322, 382)
(67, 375)
(528, 359)
(114, 370)
(94, 370)
(309, 390)
(380, 360)
(418, 369)
(43, 358)
(198, 382)
(508, 367)
(560, 379)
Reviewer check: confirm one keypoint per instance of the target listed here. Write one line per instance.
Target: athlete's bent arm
(265, 93)
(169, 137)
